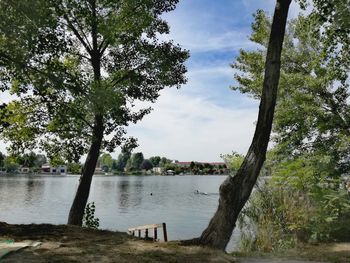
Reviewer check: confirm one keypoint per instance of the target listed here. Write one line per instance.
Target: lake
(121, 201)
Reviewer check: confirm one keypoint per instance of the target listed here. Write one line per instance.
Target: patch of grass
(330, 252)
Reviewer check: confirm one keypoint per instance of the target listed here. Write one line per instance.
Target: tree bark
(76, 212)
(235, 191)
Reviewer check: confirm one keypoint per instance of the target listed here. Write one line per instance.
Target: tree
(235, 190)
(134, 163)
(78, 67)
(27, 159)
(234, 161)
(311, 134)
(146, 165)
(74, 168)
(155, 160)
(313, 110)
(114, 165)
(164, 161)
(40, 160)
(123, 158)
(106, 160)
(10, 164)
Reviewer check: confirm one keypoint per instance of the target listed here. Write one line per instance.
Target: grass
(326, 252)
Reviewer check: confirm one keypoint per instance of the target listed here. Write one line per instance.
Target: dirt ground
(62, 243)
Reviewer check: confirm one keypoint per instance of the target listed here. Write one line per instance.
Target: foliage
(146, 165)
(10, 164)
(122, 160)
(28, 159)
(89, 219)
(233, 161)
(303, 201)
(155, 160)
(74, 168)
(134, 163)
(334, 18)
(286, 211)
(106, 160)
(312, 112)
(164, 161)
(40, 160)
(52, 55)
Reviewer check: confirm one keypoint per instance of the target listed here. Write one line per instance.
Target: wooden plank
(155, 234)
(145, 227)
(165, 233)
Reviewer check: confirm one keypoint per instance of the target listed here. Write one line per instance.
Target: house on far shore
(56, 170)
(188, 164)
(24, 170)
(99, 170)
(158, 170)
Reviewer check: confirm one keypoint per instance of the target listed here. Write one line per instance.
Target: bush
(89, 219)
(280, 216)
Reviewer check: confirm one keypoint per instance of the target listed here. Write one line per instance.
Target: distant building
(57, 170)
(99, 170)
(158, 170)
(24, 170)
(188, 164)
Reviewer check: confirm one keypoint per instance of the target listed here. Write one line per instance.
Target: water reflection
(123, 190)
(34, 190)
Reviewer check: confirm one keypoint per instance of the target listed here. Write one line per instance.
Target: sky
(204, 118)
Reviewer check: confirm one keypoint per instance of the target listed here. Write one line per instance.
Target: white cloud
(6, 97)
(191, 128)
(204, 41)
(223, 71)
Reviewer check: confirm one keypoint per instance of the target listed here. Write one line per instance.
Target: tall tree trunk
(76, 212)
(235, 191)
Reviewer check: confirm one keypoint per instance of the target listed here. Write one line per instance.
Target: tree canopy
(312, 113)
(70, 61)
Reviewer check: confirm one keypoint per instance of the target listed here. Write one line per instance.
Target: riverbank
(62, 243)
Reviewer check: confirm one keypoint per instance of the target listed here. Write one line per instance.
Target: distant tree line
(10, 163)
(34, 161)
(136, 163)
(126, 163)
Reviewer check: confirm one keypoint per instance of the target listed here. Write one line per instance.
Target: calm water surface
(121, 201)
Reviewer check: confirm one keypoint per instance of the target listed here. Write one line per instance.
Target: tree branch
(76, 33)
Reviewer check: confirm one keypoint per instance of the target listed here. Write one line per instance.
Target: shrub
(89, 219)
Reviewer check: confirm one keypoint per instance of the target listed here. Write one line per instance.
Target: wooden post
(155, 234)
(139, 233)
(165, 233)
(146, 233)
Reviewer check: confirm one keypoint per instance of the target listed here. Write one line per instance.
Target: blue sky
(204, 118)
